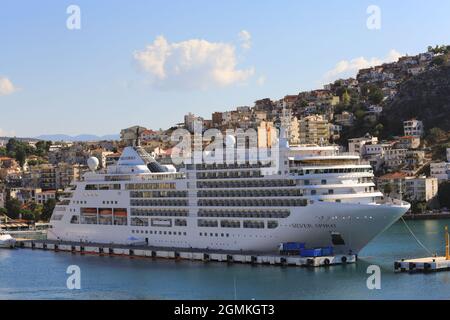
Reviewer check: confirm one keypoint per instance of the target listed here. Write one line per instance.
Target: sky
(121, 63)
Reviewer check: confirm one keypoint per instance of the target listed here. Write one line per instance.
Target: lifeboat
(120, 212)
(105, 212)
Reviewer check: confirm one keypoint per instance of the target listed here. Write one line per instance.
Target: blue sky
(104, 77)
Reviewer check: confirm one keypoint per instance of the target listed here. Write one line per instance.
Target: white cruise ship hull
(317, 225)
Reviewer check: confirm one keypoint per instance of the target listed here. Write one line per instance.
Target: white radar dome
(230, 140)
(93, 163)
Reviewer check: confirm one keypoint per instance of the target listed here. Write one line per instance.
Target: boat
(7, 241)
(315, 195)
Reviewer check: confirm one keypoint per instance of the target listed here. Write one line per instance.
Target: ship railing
(391, 201)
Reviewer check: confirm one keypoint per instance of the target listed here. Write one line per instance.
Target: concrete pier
(429, 264)
(185, 254)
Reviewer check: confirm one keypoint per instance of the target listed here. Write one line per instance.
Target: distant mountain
(80, 138)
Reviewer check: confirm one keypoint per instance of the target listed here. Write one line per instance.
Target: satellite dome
(230, 140)
(93, 163)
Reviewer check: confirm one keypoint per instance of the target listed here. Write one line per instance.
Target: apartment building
(440, 170)
(356, 145)
(409, 188)
(421, 188)
(413, 127)
(314, 130)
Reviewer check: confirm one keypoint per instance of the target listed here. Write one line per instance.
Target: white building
(440, 170)
(355, 145)
(421, 188)
(413, 128)
(395, 157)
(410, 188)
(190, 121)
(43, 196)
(374, 153)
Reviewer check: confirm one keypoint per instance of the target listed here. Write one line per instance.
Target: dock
(430, 264)
(135, 251)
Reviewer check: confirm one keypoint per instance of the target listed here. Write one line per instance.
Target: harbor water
(37, 274)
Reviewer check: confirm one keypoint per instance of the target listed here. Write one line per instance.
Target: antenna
(137, 143)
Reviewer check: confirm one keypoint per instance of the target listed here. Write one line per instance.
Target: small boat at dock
(6, 241)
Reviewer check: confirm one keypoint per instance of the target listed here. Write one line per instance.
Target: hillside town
(412, 163)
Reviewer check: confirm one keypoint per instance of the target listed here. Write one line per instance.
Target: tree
(418, 206)
(346, 98)
(27, 214)
(359, 114)
(387, 189)
(42, 148)
(21, 156)
(376, 95)
(13, 207)
(48, 208)
(435, 134)
(439, 60)
(378, 130)
(444, 194)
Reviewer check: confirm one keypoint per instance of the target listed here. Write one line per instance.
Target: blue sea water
(36, 274)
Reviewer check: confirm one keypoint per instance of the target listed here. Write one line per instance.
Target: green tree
(378, 130)
(376, 95)
(13, 207)
(27, 214)
(387, 189)
(346, 98)
(439, 60)
(444, 194)
(48, 208)
(435, 134)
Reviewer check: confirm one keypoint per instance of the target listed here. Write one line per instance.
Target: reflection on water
(42, 275)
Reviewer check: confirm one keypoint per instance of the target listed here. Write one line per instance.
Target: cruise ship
(315, 195)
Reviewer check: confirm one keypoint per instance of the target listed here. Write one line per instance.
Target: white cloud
(4, 133)
(347, 68)
(246, 39)
(261, 80)
(191, 64)
(6, 86)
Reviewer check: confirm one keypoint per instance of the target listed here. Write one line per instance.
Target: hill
(81, 138)
(425, 97)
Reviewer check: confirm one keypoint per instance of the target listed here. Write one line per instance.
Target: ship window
(313, 192)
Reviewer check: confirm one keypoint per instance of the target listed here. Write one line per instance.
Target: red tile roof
(394, 175)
